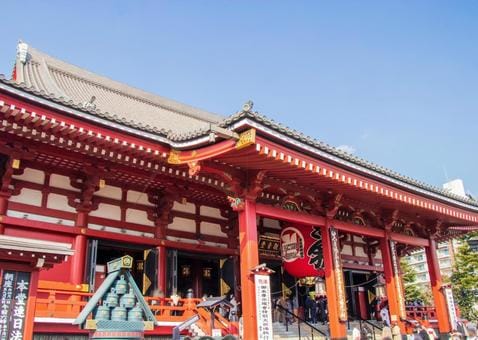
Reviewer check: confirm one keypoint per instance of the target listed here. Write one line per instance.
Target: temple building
(101, 170)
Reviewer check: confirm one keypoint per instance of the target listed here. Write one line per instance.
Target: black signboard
(13, 296)
(269, 246)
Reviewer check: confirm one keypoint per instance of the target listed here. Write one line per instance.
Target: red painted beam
(289, 216)
(357, 229)
(199, 248)
(361, 267)
(410, 240)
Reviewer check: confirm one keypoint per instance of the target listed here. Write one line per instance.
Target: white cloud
(346, 148)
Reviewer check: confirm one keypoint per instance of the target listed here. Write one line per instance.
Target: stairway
(280, 332)
(292, 333)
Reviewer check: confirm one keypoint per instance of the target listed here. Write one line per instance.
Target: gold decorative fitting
(90, 324)
(174, 157)
(246, 139)
(16, 164)
(102, 183)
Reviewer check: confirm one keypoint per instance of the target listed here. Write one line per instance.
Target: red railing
(66, 301)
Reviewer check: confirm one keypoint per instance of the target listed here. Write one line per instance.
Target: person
(423, 333)
(471, 328)
(309, 309)
(386, 333)
(384, 313)
(355, 334)
(396, 331)
(281, 306)
(322, 308)
(233, 310)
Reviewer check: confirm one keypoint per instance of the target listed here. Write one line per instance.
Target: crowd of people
(285, 307)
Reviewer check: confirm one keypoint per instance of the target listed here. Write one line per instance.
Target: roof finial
(22, 51)
(247, 107)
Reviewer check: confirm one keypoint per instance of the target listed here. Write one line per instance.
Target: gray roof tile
(49, 76)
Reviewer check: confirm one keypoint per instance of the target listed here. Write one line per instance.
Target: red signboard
(301, 251)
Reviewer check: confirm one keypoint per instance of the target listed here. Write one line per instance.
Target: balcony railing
(65, 301)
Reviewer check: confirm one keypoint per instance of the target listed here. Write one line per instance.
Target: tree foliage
(413, 291)
(464, 281)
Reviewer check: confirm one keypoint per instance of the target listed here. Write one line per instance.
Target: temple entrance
(100, 252)
(360, 291)
(205, 275)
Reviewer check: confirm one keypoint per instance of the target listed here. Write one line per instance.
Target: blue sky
(396, 82)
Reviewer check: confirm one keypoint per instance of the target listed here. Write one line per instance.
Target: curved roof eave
(236, 122)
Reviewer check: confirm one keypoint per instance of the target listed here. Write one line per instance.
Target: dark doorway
(100, 252)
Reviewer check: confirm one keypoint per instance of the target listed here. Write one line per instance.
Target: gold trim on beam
(174, 157)
(177, 157)
(246, 139)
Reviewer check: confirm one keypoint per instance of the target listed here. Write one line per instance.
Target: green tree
(412, 290)
(464, 281)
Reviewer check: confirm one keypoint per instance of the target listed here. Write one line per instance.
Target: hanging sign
(13, 294)
(263, 307)
(269, 245)
(450, 302)
(301, 251)
(398, 281)
(339, 276)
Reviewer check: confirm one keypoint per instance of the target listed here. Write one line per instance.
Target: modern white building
(446, 257)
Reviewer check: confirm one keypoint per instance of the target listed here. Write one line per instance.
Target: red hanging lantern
(301, 251)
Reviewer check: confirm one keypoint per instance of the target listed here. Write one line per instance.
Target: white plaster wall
(138, 217)
(31, 175)
(378, 255)
(357, 239)
(359, 251)
(28, 196)
(109, 192)
(347, 250)
(59, 202)
(211, 229)
(210, 211)
(137, 197)
(63, 182)
(188, 207)
(107, 211)
(183, 224)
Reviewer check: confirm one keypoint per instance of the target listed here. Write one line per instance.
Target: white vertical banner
(263, 307)
(450, 302)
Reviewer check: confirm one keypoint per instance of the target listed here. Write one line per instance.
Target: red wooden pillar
(393, 293)
(3, 210)
(444, 326)
(30, 308)
(162, 268)
(334, 293)
(249, 258)
(79, 245)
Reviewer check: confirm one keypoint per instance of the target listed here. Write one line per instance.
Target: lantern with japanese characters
(301, 251)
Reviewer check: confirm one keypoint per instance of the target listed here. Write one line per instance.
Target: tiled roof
(342, 155)
(42, 73)
(69, 85)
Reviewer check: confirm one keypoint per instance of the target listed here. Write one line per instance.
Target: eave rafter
(41, 124)
(313, 167)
